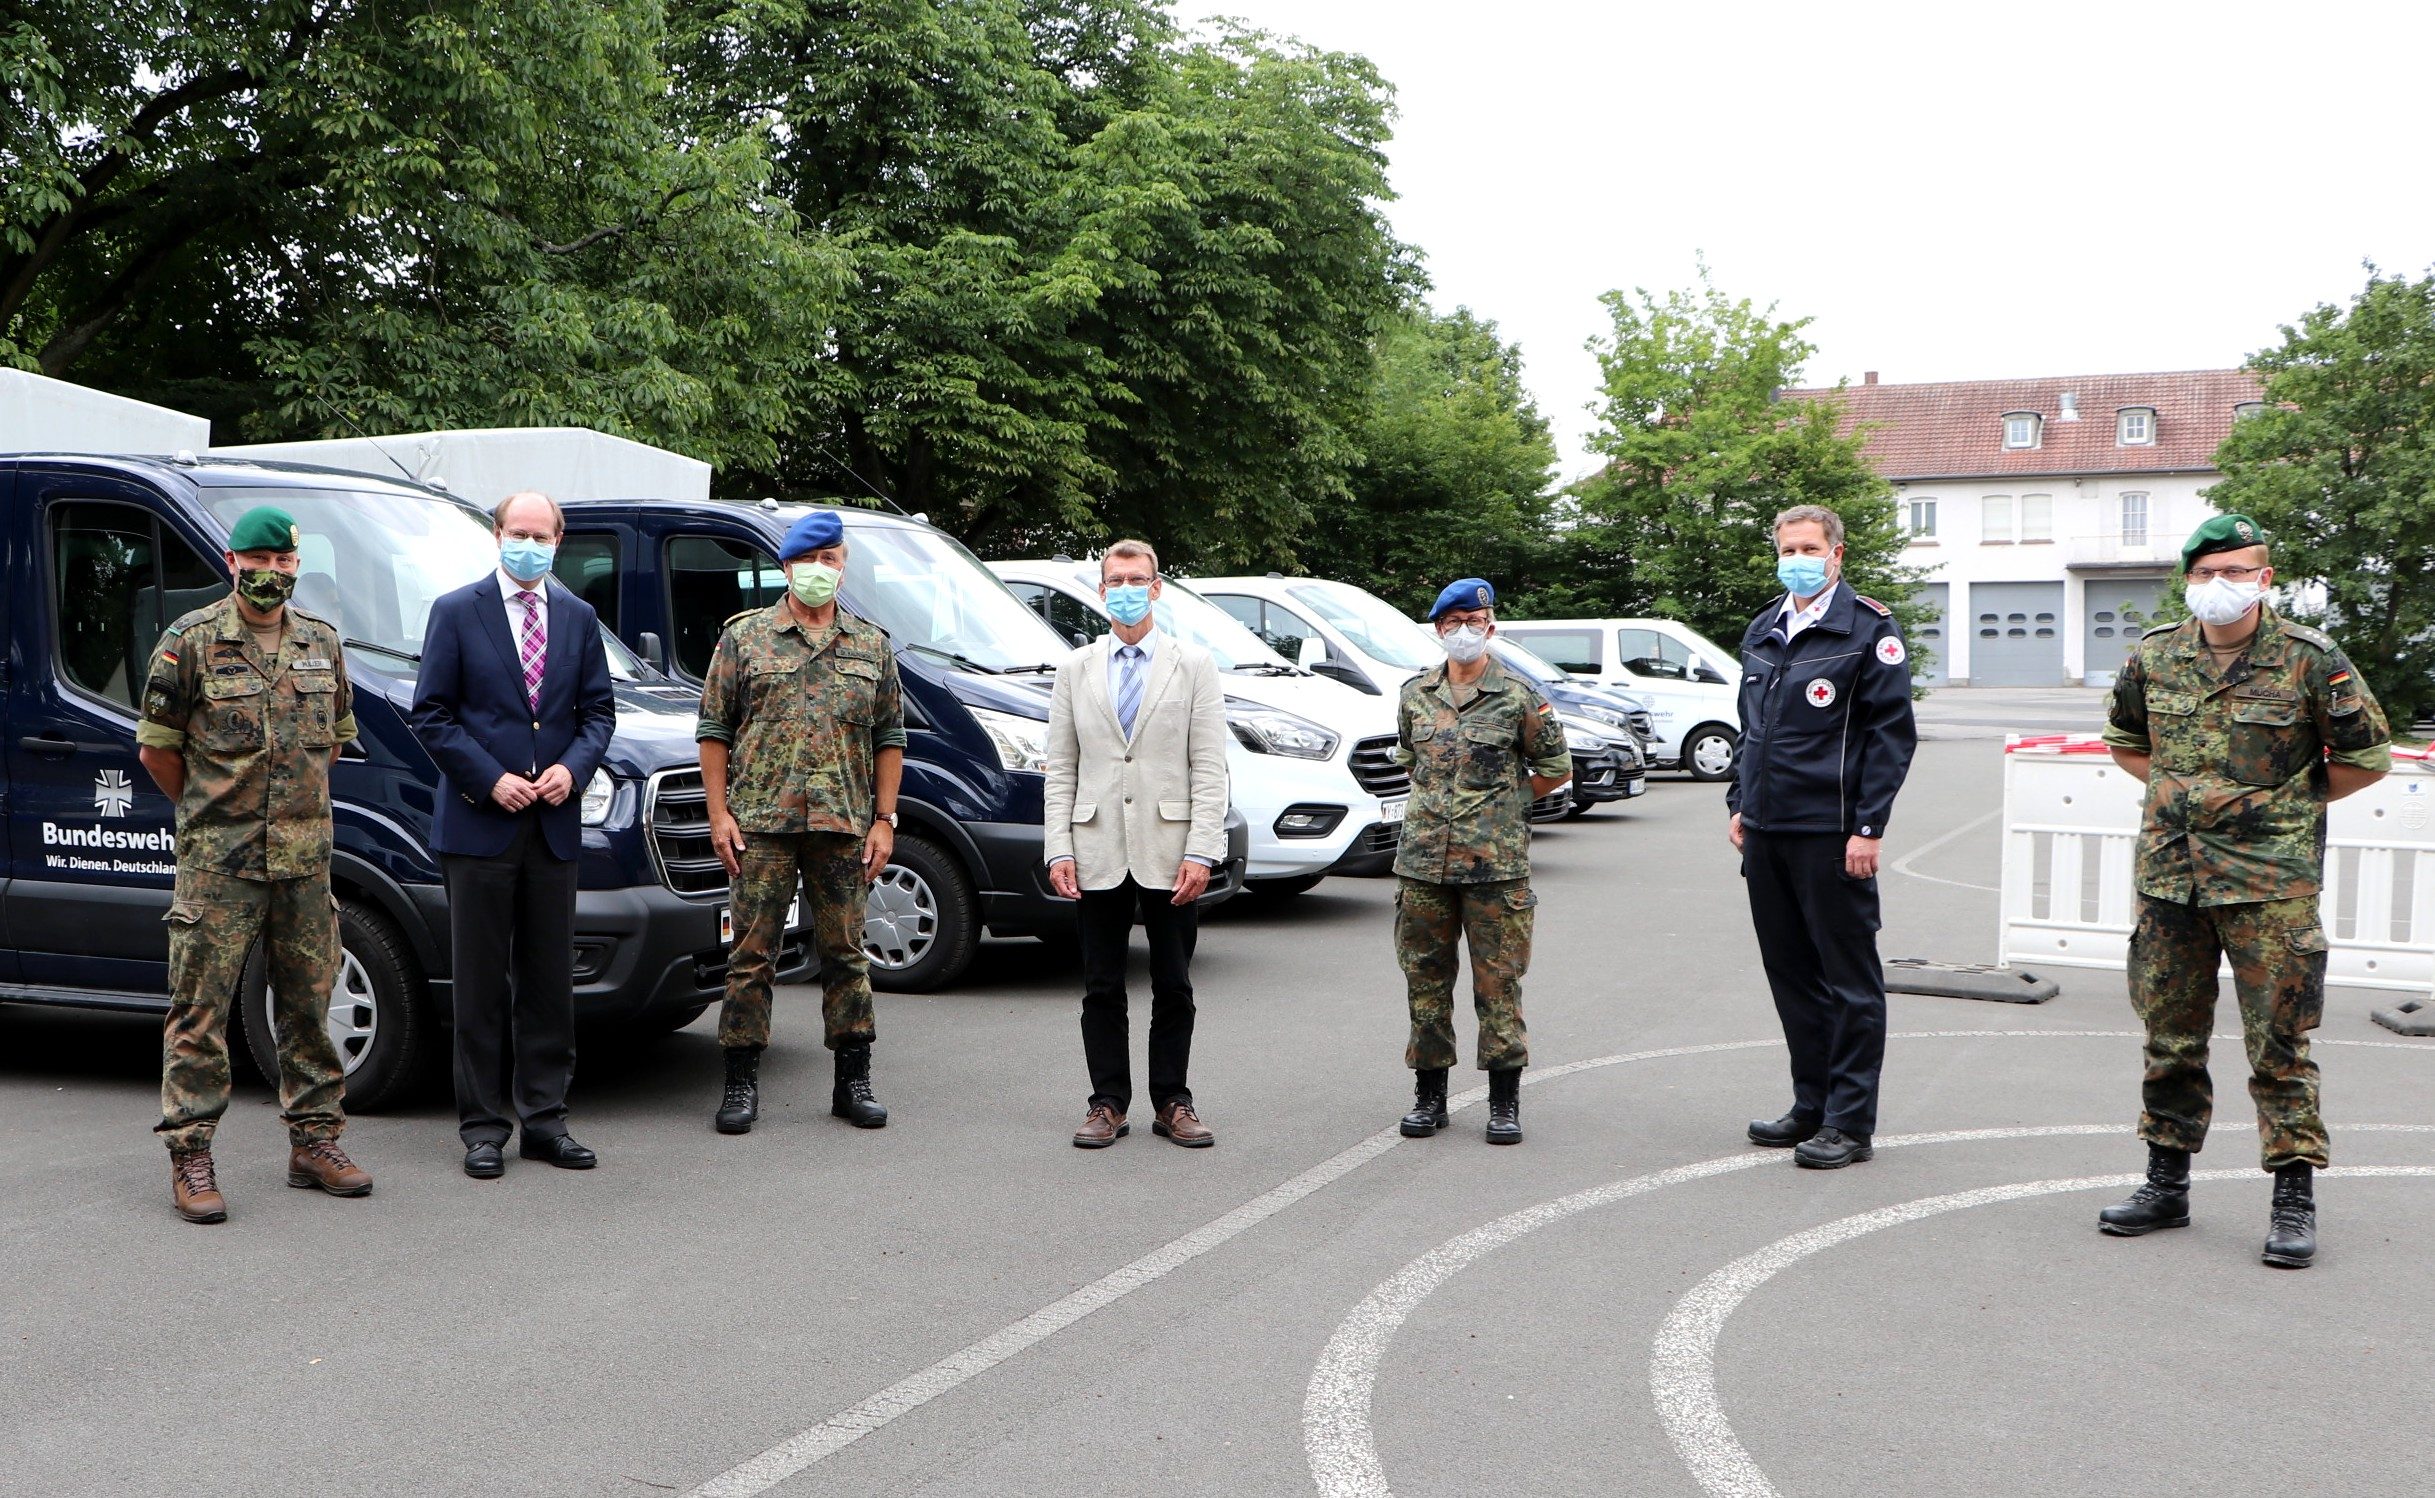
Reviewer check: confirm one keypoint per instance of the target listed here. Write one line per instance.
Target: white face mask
(2219, 600)
(1465, 643)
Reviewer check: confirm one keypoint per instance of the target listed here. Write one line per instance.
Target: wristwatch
(888, 817)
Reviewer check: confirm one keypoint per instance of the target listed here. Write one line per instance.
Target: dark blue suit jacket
(470, 713)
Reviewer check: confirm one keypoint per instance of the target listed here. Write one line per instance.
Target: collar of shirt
(1149, 653)
(1789, 623)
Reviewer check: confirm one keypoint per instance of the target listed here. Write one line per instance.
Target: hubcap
(900, 919)
(354, 1017)
(1712, 754)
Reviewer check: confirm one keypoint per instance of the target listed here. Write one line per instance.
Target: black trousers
(511, 924)
(1817, 935)
(1106, 921)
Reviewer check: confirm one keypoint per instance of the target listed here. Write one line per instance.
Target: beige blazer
(1138, 807)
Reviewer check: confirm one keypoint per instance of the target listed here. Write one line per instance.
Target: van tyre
(1709, 752)
(391, 1044)
(922, 921)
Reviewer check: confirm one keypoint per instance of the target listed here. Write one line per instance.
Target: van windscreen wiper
(388, 650)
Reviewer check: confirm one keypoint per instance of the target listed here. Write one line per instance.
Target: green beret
(263, 529)
(2223, 533)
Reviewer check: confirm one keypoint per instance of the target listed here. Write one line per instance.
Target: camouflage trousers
(2277, 951)
(213, 922)
(1495, 919)
(829, 868)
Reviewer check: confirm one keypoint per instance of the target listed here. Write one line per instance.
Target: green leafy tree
(1454, 469)
(2339, 467)
(1701, 455)
(299, 215)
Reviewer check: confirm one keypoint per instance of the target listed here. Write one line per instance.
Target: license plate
(1391, 812)
(727, 921)
(1634, 789)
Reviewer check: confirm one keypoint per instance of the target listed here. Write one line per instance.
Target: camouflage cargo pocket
(232, 713)
(2267, 739)
(316, 694)
(1488, 760)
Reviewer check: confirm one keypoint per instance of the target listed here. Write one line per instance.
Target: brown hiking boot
(1178, 1122)
(192, 1188)
(1104, 1127)
(322, 1163)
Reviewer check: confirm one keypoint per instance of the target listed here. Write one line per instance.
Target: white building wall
(2086, 529)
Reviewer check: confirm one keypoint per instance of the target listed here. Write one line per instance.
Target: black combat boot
(1428, 1113)
(2291, 1241)
(1505, 1106)
(2163, 1201)
(740, 1104)
(851, 1098)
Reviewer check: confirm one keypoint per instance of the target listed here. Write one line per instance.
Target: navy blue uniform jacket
(470, 713)
(1827, 731)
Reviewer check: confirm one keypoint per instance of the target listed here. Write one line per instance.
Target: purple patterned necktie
(536, 645)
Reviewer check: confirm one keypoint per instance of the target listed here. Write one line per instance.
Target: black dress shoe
(483, 1162)
(1782, 1133)
(560, 1150)
(1832, 1149)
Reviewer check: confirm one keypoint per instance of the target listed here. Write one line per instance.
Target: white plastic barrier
(2071, 828)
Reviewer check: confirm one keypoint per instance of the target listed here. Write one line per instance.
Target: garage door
(1931, 639)
(2119, 610)
(2016, 634)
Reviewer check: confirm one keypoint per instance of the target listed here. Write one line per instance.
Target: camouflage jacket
(2236, 792)
(1468, 821)
(258, 735)
(804, 714)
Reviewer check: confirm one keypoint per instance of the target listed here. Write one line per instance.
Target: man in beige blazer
(1136, 819)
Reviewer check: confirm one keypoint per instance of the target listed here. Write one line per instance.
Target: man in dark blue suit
(514, 704)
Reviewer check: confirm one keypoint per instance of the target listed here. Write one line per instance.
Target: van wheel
(1708, 753)
(921, 923)
(1578, 810)
(375, 1018)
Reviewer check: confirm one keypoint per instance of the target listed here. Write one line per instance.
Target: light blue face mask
(1802, 577)
(527, 561)
(1129, 603)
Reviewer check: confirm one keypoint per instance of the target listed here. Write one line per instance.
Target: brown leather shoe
(1104, 1127)
(193, 1189)
(1178, 1122)
(322, 1163)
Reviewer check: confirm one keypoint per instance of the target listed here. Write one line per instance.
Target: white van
(1332, 628)
(1313, 761)
(1690, 681)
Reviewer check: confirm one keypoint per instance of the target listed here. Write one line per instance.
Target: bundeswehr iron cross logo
(112, 795)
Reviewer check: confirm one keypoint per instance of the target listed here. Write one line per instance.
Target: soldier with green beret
(244, 709)
(2244, 725)
(1482, 745)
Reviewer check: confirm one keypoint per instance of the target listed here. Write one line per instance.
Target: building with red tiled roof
(2048, 513)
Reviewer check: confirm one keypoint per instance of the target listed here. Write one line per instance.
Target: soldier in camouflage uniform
(2244, 725)
(245, 707)
(1482, 746)
(803, 748)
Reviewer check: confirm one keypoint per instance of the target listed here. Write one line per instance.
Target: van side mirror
(1708, 673)
(1311, 654)
(650, 649)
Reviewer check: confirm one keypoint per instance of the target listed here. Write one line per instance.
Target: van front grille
(679, 815)
(1375, 770)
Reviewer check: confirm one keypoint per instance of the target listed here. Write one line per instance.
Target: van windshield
(1372, 625)
(930, 594)
(373, 560)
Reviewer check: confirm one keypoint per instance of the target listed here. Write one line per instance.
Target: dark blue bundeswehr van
(976, 663)
(101, 554)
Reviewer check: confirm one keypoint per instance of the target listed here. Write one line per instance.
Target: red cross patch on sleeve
(1890, 651)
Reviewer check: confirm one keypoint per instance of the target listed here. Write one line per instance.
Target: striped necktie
(1128, 686)
(536, 644)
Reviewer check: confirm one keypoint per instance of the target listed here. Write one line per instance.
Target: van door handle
(43, 744)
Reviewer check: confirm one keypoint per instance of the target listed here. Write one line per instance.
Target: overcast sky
(1952, 191)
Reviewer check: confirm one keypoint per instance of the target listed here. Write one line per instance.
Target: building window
(2037, 517)
(2135, 426)
(1921, 520)
(2243, 410)
(2134, 520)
(2021, 429)
(1995, 518)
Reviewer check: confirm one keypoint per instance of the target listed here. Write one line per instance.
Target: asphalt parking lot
(1633, 1301)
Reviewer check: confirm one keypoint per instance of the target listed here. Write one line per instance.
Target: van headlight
(599, 798)
(1606, 715)
(1266, 730)
(1022, 743)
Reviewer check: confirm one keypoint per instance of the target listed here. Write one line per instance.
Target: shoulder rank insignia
(1881, 609)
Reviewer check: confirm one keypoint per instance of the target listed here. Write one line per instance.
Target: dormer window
(2021, 428)
(2135, 426)
(2243, 410)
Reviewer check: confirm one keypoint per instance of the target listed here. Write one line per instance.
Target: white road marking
(1903, 864)
(758, 1474)
(1682, 1370)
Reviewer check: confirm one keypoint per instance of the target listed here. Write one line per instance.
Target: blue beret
(819, 528)
(1464, 593)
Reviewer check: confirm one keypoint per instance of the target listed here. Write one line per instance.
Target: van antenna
(847, 469)
(341, 414)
